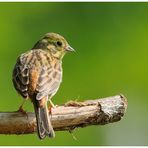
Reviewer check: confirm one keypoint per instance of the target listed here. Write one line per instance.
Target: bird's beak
(69, 48)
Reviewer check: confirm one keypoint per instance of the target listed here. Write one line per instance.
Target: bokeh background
(111, 43)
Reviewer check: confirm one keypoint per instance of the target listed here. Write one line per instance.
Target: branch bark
(69, 116)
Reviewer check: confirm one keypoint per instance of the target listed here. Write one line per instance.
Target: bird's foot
(21, 110)
(50, 108)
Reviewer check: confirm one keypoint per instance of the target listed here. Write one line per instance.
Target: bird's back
(36, 72)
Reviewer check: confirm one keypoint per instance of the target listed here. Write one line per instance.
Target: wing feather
(21, 76)
(47, 83)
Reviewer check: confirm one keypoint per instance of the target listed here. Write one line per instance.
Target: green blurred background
(111, 43)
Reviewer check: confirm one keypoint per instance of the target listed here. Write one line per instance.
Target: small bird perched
(37, 75)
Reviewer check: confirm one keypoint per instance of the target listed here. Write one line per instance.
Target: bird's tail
(44, 126)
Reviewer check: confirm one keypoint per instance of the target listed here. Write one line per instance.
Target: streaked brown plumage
(37, 75)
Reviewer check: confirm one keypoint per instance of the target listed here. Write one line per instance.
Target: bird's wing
(48, 82)
(21, 77)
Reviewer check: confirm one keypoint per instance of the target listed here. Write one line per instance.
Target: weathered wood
(68, 116)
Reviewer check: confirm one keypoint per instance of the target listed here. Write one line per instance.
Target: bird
(37, 76)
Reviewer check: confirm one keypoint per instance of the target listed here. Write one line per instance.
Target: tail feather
(44, 126)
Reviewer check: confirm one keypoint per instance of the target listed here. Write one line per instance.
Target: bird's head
(55, 44)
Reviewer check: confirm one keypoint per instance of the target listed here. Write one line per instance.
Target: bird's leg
(21, 109)
(52, 105)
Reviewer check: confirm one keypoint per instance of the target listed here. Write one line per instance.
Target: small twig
(69, 116)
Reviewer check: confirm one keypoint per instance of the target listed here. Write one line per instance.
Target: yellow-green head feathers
(55, 44)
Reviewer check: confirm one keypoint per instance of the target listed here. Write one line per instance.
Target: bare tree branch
(68, 116)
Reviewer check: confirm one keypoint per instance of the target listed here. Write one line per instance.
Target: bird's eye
(59, 43)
